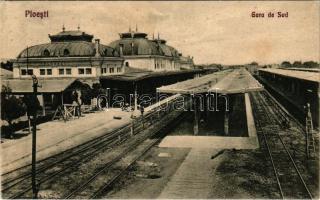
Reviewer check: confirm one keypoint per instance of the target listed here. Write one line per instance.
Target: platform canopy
(135, 74)
(238, 81)
(226, 81)
(196, 85)
(303, 75)
(47, 85)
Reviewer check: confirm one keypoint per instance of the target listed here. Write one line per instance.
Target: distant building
(154, 55)
(69, 54)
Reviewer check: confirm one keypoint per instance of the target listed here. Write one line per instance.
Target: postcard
(160, 99)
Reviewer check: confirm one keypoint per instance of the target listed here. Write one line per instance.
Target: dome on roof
(168, 50)
(133, 35)
(68, 49)
(69, 44)
(136, 43)
(64, 36)
(136, 47)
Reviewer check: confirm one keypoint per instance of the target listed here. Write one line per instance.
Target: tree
(311, 64)
(254, 63)
(286, 64)
(97, 90)
(85, 95)
(32, 104)
(8, 65)
(297, 64)
(11, 108)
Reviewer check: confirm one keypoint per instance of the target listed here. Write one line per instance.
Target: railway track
(9, 178)
(59, 165)
(104, 179)
(271, 124)
(16, 184)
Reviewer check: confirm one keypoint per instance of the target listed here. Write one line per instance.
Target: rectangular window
(23, 72)
(30, 71)
(68, 71)
(103, 70)
(111, 70)
(81, 71)
(49, 71)
(42, 72)
(61, 71)
(88, 70)
(118, 69)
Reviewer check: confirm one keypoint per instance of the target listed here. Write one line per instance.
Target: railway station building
(74, 59)
(149, 54)
(68, 54)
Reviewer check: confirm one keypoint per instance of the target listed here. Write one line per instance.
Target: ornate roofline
(65, 36)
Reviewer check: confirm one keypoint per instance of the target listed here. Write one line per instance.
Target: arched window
(66, 52)
(127, 64)
(46, 53)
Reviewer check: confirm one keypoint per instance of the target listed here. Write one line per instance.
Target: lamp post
(135, 112)
(33, 112)
(34, 140)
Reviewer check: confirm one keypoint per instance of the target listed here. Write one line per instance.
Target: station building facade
(75, 60)
(155, 55)
(74, 54)
(69, 54)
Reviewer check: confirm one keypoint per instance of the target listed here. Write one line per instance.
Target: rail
(262, 105)
(75, 156)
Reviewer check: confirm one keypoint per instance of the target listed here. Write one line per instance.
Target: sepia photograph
(159, 99)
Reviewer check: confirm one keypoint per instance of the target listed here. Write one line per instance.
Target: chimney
(121, 50)
(97, 47)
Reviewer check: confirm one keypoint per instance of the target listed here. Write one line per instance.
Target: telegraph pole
(34, 140)
(33, 112)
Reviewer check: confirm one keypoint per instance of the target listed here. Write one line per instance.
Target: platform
(288, 97)
(194, 178)
(210, 142)
(218, 142)
(56, 136)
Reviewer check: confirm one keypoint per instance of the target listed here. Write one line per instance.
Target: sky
(210, 31)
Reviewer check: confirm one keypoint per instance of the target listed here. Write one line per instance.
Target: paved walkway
(57, 136)
(211, 142)
(193, 179)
